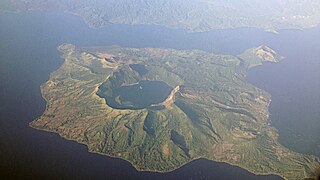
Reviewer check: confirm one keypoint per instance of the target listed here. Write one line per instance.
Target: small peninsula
(162, 108)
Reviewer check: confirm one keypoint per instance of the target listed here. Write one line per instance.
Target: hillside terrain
(193, 15)
(209, 110)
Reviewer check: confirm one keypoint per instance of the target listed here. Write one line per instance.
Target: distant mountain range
(193, 15)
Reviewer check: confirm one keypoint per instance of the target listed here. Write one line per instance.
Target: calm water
(140, 95)
(28, 54)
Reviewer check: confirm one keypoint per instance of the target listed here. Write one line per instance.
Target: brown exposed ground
(266, 54)
(104, 55)
(170, 98)
(165, 150)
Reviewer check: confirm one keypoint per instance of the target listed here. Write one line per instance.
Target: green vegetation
(194, 15)
(213, 113)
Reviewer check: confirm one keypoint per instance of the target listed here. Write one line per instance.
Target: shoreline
(43, 128)
(173, 92)
(149, 170)
(275, 31)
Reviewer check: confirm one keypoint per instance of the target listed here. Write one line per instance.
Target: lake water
(28, 55)
(140, 95)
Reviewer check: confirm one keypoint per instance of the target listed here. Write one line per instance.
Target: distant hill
(193, 15)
